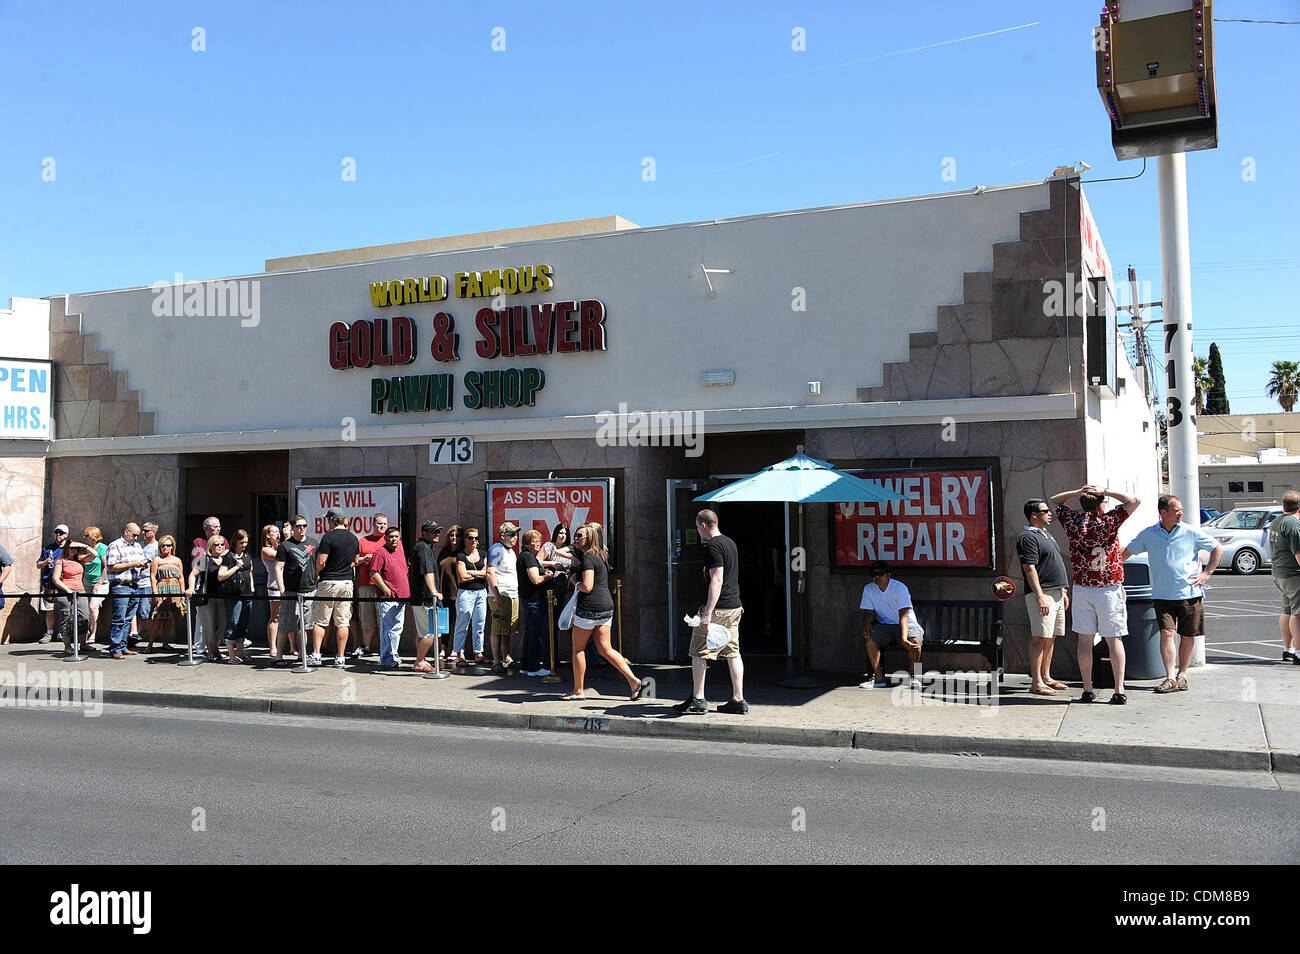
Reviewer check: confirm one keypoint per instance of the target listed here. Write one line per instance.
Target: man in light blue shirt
(1176, 583)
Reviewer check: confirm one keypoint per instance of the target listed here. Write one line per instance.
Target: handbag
(570, 609)
(200, 597)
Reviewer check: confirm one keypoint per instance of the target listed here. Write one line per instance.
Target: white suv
(1244, 535)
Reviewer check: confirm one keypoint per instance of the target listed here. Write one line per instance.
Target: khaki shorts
(729, 618)
(1051, 625)
(1289, 587)
(1186, 616)
(367, 612)
(333, 601)
(505, 615)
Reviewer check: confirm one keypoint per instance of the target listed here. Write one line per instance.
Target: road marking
(1229, 652)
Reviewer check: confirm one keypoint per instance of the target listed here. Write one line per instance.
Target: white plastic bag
(716, 637)
(570, 608)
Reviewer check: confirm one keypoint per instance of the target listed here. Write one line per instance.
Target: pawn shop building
(961, 348)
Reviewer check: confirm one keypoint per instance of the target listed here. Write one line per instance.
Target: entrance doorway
(760, 534)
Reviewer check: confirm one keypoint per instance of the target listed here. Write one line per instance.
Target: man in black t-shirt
(1046, 594)
(424, 578)
(295, 574)
(339, 552)
(721, 563)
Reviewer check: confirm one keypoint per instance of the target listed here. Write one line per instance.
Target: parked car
(1207, 515)
(1244, 535)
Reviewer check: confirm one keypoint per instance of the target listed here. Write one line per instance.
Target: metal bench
(956, 626)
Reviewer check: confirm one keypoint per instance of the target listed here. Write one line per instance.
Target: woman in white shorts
(595, 611)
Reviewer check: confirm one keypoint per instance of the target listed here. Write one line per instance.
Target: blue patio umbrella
(801, 479)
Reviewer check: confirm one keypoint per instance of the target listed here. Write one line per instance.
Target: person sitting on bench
(887, 618)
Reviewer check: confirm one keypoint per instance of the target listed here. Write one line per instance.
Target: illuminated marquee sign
(946, 521)
(517, 331)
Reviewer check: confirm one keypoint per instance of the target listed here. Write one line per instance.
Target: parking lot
(1241, 618)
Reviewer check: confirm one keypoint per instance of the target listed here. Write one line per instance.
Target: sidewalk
(1243, 716)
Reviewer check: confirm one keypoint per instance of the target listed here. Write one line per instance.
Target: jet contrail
(915, 49)
(745, 162)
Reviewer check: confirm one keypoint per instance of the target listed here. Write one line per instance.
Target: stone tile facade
(91, 399)
(22, 533)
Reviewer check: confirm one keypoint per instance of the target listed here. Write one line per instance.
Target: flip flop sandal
(1043, 691)
(570, 697)
(646, 683)
(1058, 685)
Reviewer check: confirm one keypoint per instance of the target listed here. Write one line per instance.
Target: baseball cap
(507, 527)
(429, 526)
(880, 566)
(61, 528)
(333, 515)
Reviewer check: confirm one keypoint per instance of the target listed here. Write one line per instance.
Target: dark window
(1235, 487)
(1255, 487)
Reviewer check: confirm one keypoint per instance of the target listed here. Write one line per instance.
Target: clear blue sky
(169, 160)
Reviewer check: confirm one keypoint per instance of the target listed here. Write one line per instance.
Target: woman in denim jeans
(471, 596)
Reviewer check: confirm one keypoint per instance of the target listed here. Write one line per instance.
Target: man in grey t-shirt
(1046, 596)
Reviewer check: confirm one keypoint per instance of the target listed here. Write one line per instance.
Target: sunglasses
(472, 536)
(300, 526)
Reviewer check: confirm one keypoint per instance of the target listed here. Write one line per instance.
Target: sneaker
(46, 638)
(369, 651)
(339, 662)
(526, 672)
(877, 684)
(692, 706)
(1089, 696)
(314, 660)
(358, 652)
(498, 670)
(542, 672)
(735, 707)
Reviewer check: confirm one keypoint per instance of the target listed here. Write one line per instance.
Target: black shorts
(887, 634)
(1186, 616)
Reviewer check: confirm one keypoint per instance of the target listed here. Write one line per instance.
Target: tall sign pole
(1180, 389)
(1155, 75)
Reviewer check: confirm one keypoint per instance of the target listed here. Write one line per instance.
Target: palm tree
(1284, 384)
(1203, 381)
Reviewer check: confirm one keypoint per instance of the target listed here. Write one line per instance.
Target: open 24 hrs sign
(451, 450)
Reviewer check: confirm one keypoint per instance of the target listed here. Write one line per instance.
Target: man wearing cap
(149, 546)
(51, 553)
(424, 572)
(503, 585)
(126, 565)
(391, 579)
(338, 553)
(888, 618)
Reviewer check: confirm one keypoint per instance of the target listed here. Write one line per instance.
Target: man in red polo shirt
(369, 612)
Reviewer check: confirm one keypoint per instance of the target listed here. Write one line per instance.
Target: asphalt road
(1241, 618)
(150, 785)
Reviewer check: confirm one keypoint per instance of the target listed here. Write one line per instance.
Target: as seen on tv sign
(946, 520)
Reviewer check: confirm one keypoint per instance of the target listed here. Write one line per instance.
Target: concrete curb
(711, 730)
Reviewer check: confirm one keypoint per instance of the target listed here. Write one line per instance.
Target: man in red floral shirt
(1098, 570)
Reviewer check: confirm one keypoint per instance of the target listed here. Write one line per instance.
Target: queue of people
(495, 596)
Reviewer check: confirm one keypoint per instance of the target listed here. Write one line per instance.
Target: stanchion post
(189, 659)
(618, 612)
(302, 639)
(554, 677)
(438, 671)
(76, 656)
